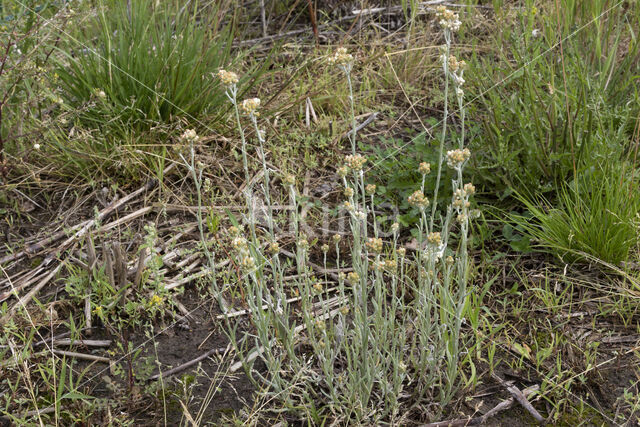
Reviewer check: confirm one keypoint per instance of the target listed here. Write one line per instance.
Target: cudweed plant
(385, 333)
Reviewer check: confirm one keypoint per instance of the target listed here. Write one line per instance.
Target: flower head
(189, 135)
(434, 238)
(250, 106)
(455, 158)
(274, 248)
(355, 162)
(288, 179)
(353, 277)
(156, 300)
(303, 244)
(374, 244)
(348, 192)
(424, 168)
(234, 231)
(247, 262)
(341, 57)
(449, 20)
(239, 243)
(418, 199)
(469, 189)
(228, 78)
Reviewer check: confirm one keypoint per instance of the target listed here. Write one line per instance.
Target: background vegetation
(123, 167)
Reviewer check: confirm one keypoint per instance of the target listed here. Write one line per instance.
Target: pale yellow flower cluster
(250, 106)
(418, 199)
(380, 265)
(455, 65)
(449, 20)
(374, 244)
(274, 248)
(469, 189)
(303, 243)
(434, 238)
(341, 57)
(353, 277)
(247, 262)
(355, 162)
(189, 135)
(239, 243)
(455, 158)
(424, 168)
(348, 192)
(459, 202)
(288, 180)
(360, 215)
(228, 78)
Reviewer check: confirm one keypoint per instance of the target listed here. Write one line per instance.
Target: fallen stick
(521, 398)
(132, 215)
(106, 212)
(84, 356)
(188, 364)
(195, 276)
(81, 229)
(18, 287)
(88, 343)
(242, 312)
(27, 297)
(62, 335)
(37, 247)
(22, 276)
(502, 406)
(371, 117)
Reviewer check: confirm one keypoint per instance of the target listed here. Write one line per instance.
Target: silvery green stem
(265, 171)
(232, 95)
(352, 134)
(245, 163)
(197, 179)
(462, 117)
(444, 126)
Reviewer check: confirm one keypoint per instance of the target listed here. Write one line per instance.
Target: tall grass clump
(143, 63)
(596, 216)
(382, 334)
(561, 99)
